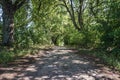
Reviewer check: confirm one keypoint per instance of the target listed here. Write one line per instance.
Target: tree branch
(18, 4)
(80, 14)
(71, 13)
(39, 6)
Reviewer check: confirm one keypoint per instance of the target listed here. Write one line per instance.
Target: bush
(6, 57)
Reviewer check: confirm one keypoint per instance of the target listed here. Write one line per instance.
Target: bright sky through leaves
(0, 14)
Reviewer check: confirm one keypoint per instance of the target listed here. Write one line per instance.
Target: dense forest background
(90, 24)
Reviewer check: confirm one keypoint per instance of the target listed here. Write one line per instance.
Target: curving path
(57, 64)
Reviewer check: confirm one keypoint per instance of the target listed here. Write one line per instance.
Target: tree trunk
(9, 8)
(8, 27)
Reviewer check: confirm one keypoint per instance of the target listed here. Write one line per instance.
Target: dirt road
(57, 64)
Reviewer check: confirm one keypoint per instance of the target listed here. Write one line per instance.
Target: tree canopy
(85, 23)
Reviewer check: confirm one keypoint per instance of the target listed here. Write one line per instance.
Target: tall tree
(9, 8)
(75, 8)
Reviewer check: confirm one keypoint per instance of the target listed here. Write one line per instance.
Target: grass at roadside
(11, 54)
(7, 55)
(108, 59)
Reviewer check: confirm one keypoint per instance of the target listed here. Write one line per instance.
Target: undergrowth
(107, 58)
(8, 55)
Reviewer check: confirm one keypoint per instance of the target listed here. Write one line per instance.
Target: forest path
(57, 64)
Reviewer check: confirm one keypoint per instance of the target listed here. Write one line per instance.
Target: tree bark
(8, 27)
(9, 10)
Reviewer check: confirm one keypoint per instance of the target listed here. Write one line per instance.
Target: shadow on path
(57, 64)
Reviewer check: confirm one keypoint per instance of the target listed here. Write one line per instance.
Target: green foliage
(44, 22)
(105, 57)
(6, 57)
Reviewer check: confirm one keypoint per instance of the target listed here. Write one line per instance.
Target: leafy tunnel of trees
(91, 24)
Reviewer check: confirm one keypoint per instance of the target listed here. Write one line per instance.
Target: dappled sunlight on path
(58, 64)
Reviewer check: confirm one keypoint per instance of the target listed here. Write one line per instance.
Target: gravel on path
(57, 64)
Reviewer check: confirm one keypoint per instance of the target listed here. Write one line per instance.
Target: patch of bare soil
(57, 64)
